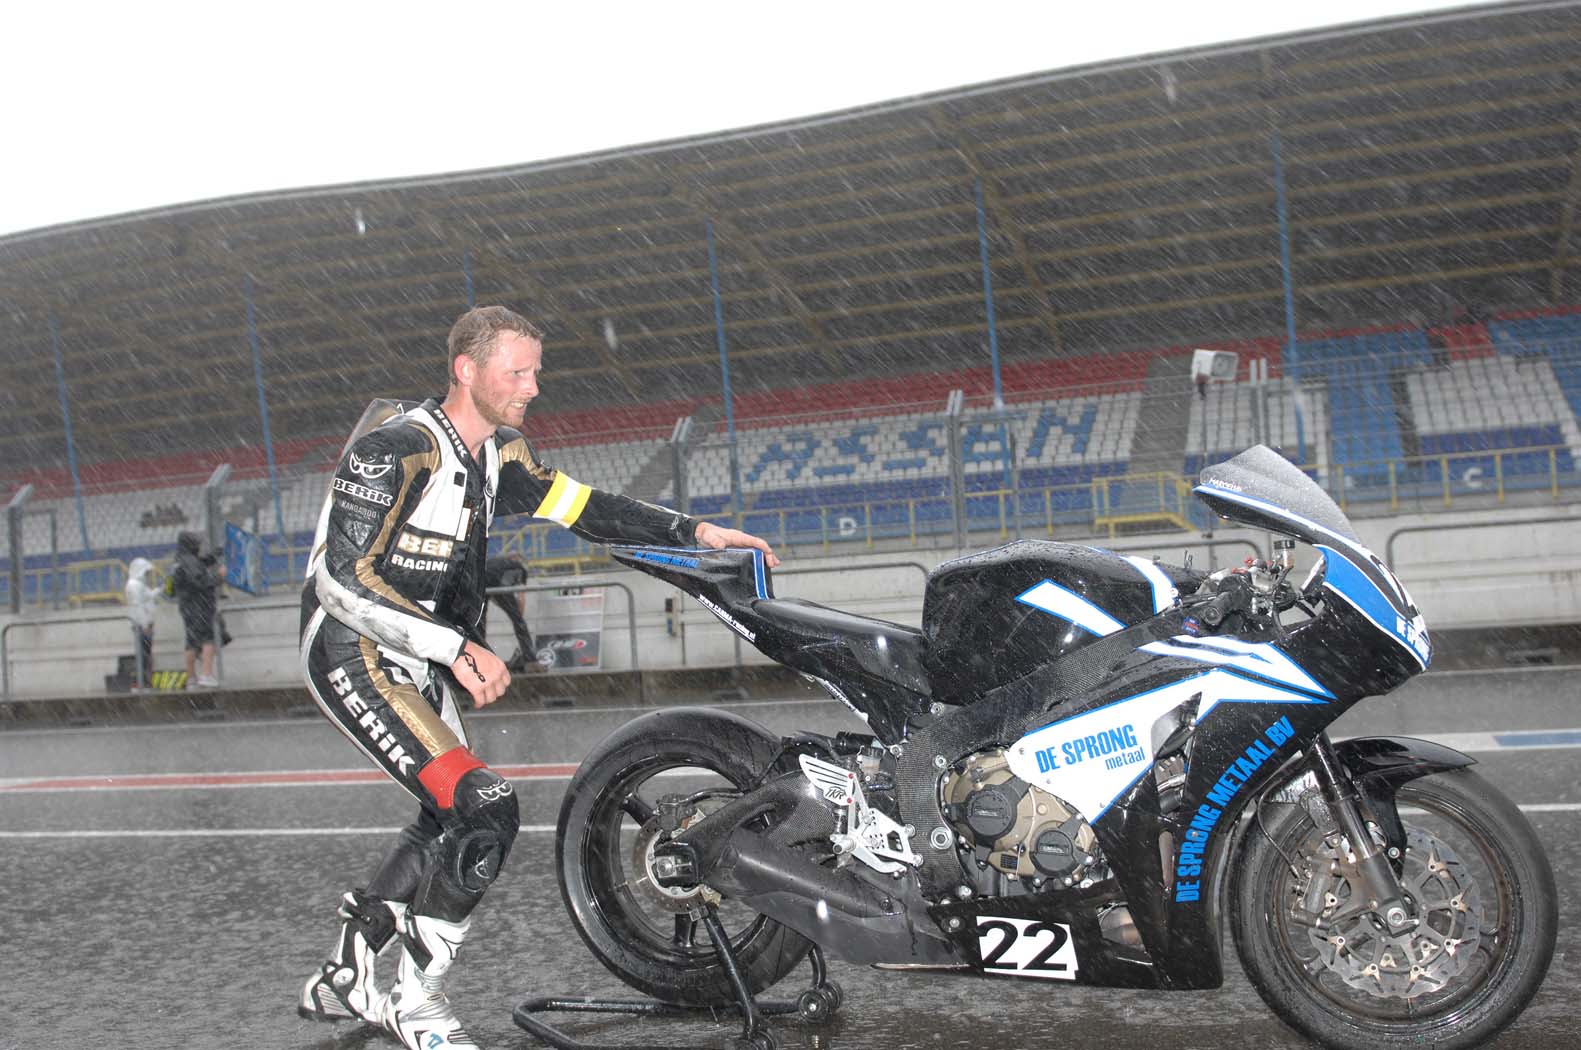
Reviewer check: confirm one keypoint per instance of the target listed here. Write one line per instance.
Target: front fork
(1373, 880)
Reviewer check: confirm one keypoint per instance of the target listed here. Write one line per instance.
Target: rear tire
(1482, 882)
(644, 938)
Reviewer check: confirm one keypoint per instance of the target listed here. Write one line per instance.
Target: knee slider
(487, 819)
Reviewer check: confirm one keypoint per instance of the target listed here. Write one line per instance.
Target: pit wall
(1516, 572)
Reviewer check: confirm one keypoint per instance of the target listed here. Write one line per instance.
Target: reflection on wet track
(172, 886)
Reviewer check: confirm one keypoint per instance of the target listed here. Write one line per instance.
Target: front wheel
(1485, 898)
(645, 934)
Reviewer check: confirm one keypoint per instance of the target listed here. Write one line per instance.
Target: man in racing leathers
(390, 646)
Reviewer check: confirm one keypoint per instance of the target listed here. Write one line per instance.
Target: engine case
(1015, 827)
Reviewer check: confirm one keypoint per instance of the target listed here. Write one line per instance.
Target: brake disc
(676, 899)
(1362, 952)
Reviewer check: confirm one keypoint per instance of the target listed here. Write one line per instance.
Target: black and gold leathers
(403, 535)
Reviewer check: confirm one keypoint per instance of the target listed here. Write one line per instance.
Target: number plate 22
(1026, 948)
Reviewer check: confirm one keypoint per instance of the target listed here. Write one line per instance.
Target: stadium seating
(1364, 426)
(1450, 408)
(1471, 408)
(1297, 422)
(1557, 337)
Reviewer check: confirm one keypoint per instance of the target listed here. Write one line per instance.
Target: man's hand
(712, 536)
(480, 673)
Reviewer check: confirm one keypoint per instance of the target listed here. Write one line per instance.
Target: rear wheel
(1485, 898)
(646, 934)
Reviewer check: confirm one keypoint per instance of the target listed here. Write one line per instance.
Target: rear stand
(816, 1005)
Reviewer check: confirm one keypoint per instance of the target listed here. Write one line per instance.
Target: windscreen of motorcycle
(1261, 488)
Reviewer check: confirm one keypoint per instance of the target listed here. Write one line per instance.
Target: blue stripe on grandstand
(1364, 433)
(1468, 458)
(1491, 440)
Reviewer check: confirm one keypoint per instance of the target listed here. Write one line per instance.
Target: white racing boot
(417, 1012)
(344, 987)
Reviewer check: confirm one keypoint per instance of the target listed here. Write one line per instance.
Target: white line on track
(366, 776)
(224, 833)
(526, 829)
(473, 717)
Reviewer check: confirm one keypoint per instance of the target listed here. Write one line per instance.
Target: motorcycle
(1078, 767)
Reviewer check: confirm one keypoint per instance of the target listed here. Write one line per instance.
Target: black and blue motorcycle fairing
(1091, 670)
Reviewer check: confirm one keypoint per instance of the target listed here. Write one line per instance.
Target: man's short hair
(476, 334)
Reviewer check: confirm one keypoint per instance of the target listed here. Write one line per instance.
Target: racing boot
(417, 1011)
(344, 988)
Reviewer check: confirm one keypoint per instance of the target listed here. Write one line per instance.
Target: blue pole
(466, 271)
(263, 411)
(1290, 294)
(988, 291)
(724, 372)
(65, 414)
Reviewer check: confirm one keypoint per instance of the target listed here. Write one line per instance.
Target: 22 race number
(1026, 947)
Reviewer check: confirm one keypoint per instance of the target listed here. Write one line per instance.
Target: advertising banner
(568, 630)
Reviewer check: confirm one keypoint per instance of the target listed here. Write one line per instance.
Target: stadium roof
(1431, 166)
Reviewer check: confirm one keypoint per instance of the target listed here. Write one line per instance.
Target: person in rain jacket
(390, 647)
(140, 599)
(196, 586)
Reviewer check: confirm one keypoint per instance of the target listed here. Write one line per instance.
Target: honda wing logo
(370, 469)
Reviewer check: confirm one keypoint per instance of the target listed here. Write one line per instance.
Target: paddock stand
(816, 1005)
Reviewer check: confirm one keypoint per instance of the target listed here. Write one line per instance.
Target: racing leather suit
(395, 588)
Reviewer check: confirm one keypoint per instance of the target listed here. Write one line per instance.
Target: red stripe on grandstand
(585, 427)
(1351, 333)
(249, 461)
(1547, 311)
(1088, 375)
(547, 771)
(1463, 341)
(191, 468)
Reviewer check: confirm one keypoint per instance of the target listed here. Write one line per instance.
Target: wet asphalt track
(188, 916)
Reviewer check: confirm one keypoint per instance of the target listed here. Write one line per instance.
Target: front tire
(1485, 895)
(607, 826)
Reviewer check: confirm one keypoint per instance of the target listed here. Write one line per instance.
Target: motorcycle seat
(890, 651)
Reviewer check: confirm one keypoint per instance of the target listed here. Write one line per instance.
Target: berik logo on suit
(372, 469)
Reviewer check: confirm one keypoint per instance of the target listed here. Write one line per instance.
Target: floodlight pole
(71, 441)
(263, 415)
(214, 532)
(738, 498)
(1286, 271)
(680, 436)
(954, 405)
(13, 512)
(988, 292)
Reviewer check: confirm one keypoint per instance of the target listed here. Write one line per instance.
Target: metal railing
(581, 584)
(5, 634)
(1388, 546)
(1414, 482)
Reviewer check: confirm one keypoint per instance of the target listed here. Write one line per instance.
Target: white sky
(113, 107)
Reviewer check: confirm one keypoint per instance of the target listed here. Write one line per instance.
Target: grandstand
(1422, 346)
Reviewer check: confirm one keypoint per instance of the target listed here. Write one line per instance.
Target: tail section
(730, 579)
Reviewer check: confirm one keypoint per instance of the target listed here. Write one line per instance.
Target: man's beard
(491, 416)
